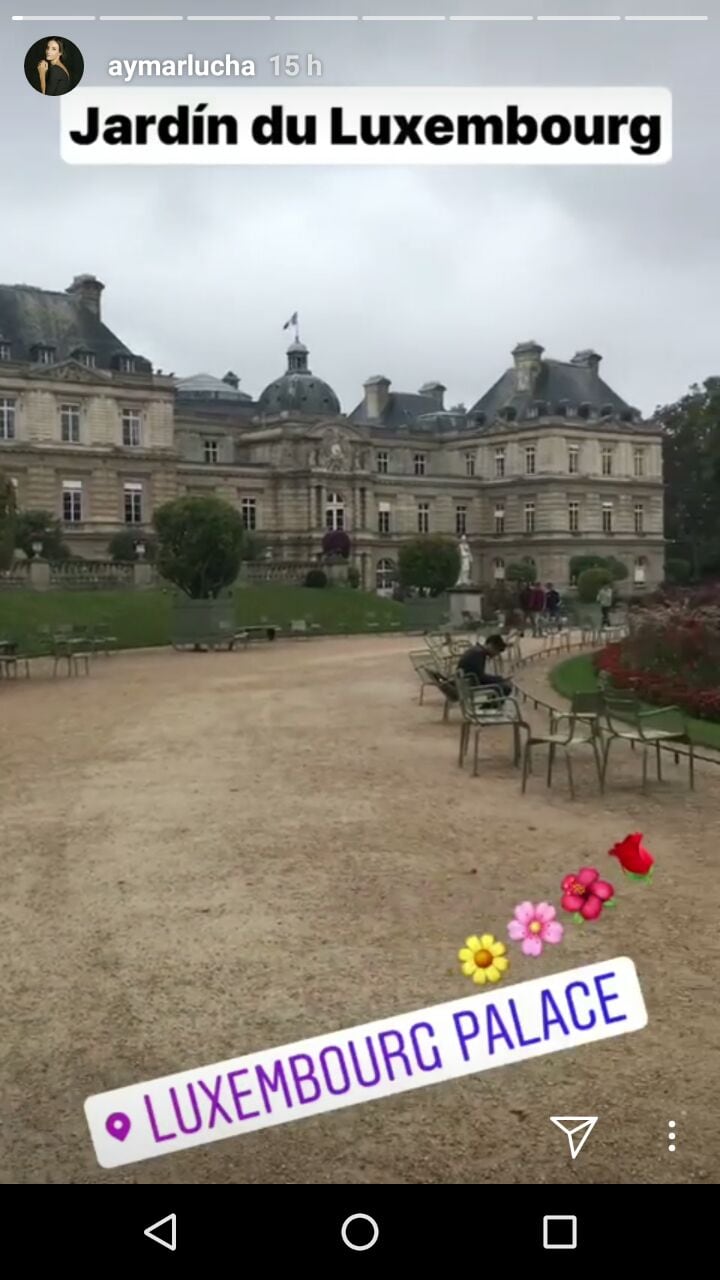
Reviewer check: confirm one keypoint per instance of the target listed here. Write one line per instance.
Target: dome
(203, 386)
(298, 390)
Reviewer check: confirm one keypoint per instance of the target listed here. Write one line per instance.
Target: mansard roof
(32, 317)
(402, 409)
(557, 388)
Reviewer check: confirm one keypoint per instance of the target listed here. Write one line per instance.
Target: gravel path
(204, 855)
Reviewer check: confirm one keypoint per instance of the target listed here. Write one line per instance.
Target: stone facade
(549, 463)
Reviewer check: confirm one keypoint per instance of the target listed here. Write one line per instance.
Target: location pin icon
(118, 1125)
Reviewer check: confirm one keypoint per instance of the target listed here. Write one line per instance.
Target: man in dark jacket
(473, 662)
(552, 601)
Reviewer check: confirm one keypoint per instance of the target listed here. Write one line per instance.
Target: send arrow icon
(150, 1232)
(577, 1130)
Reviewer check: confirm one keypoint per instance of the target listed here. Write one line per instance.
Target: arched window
(640, 570)
(384, 575)
(499, 570)
(335, 511)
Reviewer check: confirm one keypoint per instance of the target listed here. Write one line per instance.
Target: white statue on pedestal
(466, 561)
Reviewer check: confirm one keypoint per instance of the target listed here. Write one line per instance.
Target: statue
(466, 560)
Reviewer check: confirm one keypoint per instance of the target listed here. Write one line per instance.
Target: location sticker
(118, 1125)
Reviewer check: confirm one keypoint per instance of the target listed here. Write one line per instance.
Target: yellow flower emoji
(483, 959)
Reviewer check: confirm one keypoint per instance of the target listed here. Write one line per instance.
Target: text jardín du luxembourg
(278, 128)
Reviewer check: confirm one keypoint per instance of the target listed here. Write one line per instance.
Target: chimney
(434, 391)
(528, 365)
(587, 360)
(232, 380)
(87, 290)
(377, 394)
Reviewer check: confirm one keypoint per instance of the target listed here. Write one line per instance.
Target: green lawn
(143, 618)
(577, 675)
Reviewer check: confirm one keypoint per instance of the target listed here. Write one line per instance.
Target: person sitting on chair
(473, 661)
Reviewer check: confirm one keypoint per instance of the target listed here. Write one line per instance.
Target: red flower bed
(671, 657)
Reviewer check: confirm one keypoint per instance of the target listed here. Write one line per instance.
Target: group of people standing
(535, 602)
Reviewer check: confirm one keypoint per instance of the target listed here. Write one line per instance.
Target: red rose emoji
(633, 858)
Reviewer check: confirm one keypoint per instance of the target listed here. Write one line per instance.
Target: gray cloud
(413, 273)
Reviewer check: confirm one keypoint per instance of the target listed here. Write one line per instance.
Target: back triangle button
(168, 1239)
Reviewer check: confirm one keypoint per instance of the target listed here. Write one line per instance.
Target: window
(639, 513)
(87, 358)
(44, 355)
(639, 570)
(248, 510)
(5, 351)
(70, 423)
(530, 460)
(573, 459)
(381, 462)
(133, 503)
(499, 462)
(469, 464)
(419, 464)
(423, 517)
(607, 459)
(383, 517)
(7, 418)
(72, 501)
(210, 450)
(335, 512)
(131, 428)
(384, 575)
(529, 517)
(499, 517)
(460, 521)
(607, 517)
(126, 364)
(574, 517)
(499, 570)
(639, 462)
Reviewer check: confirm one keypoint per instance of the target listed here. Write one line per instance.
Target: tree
(524, 570)
(590, 582)
(615, 567)
(578, 565)
(40, 526)
(430, 563)
(7, 522)
(691, 464)
(336, 543)
(677, 572)
(123, 546)
(254, 545)
(200, 545)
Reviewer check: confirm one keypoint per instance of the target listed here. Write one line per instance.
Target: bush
(430, 563)
(523, 571)
(7, 522)
(616, 568)
(677, 571)
(579, 564)
(122, 546)
(40, 526)
(315, 578)
(353, 577)
(590, 582)
(336, 543)
(671, 658)
(200, 545)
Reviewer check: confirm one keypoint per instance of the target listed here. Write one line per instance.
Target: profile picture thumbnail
(54, 66)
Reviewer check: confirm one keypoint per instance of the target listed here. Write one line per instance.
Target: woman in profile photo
(54, 75)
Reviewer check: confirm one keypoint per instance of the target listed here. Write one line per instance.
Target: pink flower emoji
(535, 925)
(586, 894)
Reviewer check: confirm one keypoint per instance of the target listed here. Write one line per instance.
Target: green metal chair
(420, 658)
(484, 706)
(625, 720)
(568, 742)
(587, 708)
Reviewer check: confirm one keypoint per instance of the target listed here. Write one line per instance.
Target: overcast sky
(415, 273)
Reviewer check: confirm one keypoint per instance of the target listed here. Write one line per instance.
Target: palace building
(549, 463)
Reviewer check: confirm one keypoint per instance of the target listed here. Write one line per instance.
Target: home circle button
(360, 1232)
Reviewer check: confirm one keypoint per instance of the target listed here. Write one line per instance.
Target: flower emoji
(534, 925)
(483, 959)
(586, 894)
(633, 858)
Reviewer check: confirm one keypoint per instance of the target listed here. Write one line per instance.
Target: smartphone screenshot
(360, 630)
